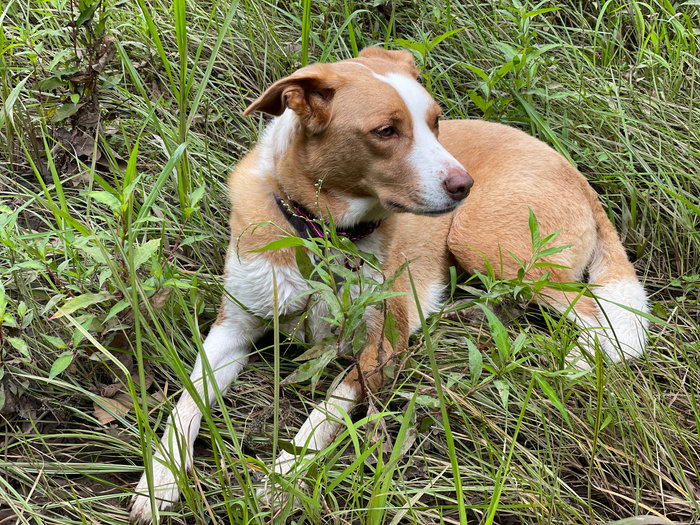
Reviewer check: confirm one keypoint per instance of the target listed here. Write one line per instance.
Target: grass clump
(119, 122)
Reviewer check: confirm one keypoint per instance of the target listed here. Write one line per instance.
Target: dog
(405, 186)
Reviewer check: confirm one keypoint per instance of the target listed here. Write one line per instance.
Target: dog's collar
(308, 226)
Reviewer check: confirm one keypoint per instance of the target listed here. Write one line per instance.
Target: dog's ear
(402, 58)
(308, 92)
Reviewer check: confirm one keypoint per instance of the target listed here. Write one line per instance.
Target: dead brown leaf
(108, 409)
(107, 51)
(158, 299)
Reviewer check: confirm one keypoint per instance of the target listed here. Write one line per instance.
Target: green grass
(113, 213)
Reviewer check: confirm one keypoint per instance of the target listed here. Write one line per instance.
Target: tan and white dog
(368, 130)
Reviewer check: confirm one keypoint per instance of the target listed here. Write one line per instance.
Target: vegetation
(119, 123)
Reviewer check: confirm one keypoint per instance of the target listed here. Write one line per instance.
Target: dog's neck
(291, 182)
(308, 225)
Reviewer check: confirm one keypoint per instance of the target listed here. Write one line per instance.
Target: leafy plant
(348, 281)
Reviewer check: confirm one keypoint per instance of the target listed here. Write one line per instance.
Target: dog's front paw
(165, 491)
(577, 361)
(269, 494)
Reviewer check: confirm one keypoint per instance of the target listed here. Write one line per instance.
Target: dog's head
(369, 130)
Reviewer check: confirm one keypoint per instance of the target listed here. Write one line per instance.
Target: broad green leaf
(518, 344)
(359, 338)
(391, 331)
(29, 265)
(549, 238)
(552, 251)
(65, 111)
(475, 361)
(144, 252)
(286, 242)
(534, 228)
(10, 101)
(503, 391)
(304, 263)
(480, 72)
(19, 344)
(130, 178)
(505, 69)
(80, 302)
(410, 44)
(428, 401)
(60, 364)
(51, 83)
(118, 307)
(196, 196)
(106, 198)
(87, 14)
(346, 296)
(478, 101)
(536, 12)
(56, 342)
(310, 368)
(546, 264)
(317, 350)
(435, 41)
(553, 397)
(499, 333)
(96, 253)
(642, 520)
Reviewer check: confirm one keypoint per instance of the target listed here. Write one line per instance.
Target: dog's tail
(619, 296)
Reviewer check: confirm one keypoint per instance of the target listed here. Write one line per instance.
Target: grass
(119, 123)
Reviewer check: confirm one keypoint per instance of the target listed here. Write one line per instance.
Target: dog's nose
(458, 183)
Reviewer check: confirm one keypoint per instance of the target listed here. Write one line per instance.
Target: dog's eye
(385, 132)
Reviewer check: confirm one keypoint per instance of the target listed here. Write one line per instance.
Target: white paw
(576, 360)
(165, 491)
(269, 495)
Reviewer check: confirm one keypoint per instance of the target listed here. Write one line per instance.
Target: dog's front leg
(226, 349)
(321, 426)
(366, 376)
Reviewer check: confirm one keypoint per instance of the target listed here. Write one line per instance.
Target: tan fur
(333, 155)
(514, 172)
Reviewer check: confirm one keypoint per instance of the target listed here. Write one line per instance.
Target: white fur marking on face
(360, 209)
(430, 160)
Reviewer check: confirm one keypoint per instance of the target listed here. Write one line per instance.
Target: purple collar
(308, 226)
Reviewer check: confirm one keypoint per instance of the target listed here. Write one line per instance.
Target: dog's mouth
(426, 211)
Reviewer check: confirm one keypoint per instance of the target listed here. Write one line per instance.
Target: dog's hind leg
(614, 314)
